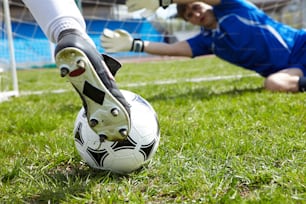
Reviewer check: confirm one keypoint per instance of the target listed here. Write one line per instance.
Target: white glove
(120, 41)
(134, 5)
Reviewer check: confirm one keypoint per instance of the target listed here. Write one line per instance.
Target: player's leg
(286, 80)
(54, 16)
(78, 59)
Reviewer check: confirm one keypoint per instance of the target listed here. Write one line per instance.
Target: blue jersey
(249, 38)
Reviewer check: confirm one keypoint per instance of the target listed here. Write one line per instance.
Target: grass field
(223, 140)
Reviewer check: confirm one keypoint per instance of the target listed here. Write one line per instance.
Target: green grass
(222, 141)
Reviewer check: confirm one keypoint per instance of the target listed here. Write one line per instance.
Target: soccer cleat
(107, 111)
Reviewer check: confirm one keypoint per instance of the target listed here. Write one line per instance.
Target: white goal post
(8, 73)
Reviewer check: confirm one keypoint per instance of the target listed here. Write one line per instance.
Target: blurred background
(32, 49)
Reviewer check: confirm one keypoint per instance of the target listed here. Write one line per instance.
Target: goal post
(8, 73)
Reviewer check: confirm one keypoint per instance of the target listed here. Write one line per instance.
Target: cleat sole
(105, 114)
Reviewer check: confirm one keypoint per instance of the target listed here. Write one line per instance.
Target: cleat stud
(81, 64)
(115, 112)
(123, 133)
(102, 138)
(64, 71)
(93, 122)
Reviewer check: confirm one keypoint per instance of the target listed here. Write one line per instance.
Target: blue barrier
(32, 47)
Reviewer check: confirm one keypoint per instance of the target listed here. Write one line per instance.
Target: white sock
(55, 16)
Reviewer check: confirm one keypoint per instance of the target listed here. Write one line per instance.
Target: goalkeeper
(234, 30)
(90, 73)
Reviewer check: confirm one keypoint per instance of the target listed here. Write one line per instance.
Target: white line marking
(195, 80)
(26, 93)
(158, 82)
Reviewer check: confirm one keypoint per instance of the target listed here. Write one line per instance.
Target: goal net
(32, 49)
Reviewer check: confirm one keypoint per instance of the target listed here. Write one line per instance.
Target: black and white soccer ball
(126, 156)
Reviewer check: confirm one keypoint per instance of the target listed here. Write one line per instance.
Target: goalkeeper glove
(134, 5)
(120, 41)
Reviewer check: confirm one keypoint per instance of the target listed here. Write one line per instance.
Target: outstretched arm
(181, 48)
(122, 41)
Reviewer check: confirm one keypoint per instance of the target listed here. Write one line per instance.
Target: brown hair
(181, 9)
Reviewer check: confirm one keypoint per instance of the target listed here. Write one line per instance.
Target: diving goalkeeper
(235, 31)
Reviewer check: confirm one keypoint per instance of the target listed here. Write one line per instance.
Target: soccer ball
(125, 156)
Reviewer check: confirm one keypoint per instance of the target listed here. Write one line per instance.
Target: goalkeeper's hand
(120, 41)
(152, 5)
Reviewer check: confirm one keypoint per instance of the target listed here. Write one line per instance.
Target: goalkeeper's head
(197, 13)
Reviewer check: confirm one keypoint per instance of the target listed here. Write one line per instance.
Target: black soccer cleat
(107, 111)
